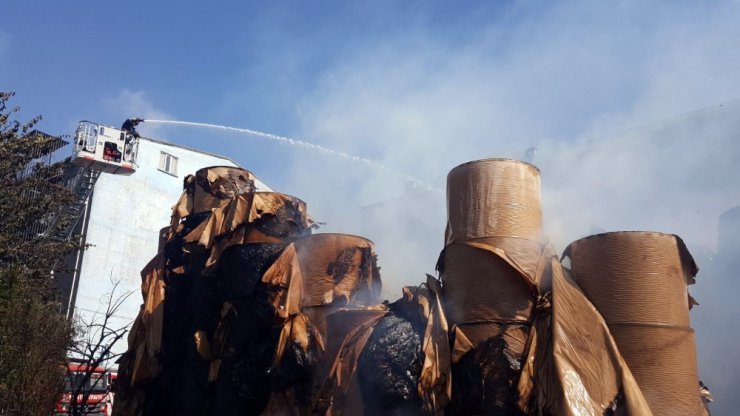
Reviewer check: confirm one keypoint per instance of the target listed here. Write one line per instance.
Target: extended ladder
(69, 215)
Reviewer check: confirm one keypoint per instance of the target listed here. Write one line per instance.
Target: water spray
(301, 143)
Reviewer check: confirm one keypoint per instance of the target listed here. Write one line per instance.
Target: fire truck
(95, 382)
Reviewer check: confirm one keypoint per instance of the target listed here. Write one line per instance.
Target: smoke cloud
(632, 110)
(128, 103)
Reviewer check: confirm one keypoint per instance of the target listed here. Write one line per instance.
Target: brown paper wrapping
(435, 381)
(481, 288)
(324, 269)
(338, 268)
(318, 272)
(260, 217)
(579, 369)
(348, 332)
(217, 183)
(492, 266)
(314, 279)
(230, 213)
(635, 276)
(663, 360)
(637, 281)
(493, 197)
(209, 188)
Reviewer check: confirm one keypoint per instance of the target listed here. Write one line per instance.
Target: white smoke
(632, 109)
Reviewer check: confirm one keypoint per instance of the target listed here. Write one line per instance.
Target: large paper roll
(638, 282)
(493, 197)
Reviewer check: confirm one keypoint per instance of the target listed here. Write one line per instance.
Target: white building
(122, 224)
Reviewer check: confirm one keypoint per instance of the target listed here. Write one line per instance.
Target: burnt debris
(246, 312)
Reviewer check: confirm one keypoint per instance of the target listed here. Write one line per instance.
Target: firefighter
(129, 126)
(130, 134)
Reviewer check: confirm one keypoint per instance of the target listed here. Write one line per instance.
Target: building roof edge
(192, 150)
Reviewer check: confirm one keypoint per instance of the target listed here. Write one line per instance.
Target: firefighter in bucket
(129, 129)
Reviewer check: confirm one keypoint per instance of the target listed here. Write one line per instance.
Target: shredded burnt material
(181, 388)
(286, 224)
(484, 381)
(175, 250)
(368, 270)
(244, 381)
(295, 373)
(240, 269)
(227, 185)
(389, 368)
(193, 302)
(244, 384)
(340, 267)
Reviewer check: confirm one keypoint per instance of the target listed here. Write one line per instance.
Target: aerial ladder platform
(97, 149)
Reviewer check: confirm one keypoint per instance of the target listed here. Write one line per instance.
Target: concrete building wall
(126, 215)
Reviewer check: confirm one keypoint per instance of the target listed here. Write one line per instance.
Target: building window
(168, 163)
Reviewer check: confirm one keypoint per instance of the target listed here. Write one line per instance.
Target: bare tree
(92, 352)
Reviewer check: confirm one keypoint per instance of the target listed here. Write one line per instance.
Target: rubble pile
(246, 312)
(233, 320)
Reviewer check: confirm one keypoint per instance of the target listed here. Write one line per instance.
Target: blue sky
(244, 62)
(419, 86)
(364, 76)
(633, 105)
(248, 64)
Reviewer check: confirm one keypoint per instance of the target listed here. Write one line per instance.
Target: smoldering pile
(236, 300)
(246, 312)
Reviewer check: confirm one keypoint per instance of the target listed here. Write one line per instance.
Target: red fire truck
(97, 388)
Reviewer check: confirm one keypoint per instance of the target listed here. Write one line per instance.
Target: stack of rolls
(493, 271)
(236, 303)
(202, 295)
(638, 282)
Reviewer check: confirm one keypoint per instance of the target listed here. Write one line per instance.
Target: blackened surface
(240, 269)
(389, 368)
(184, 374)
(232, 183)
(244, 383)
(182, 385)
(287, 223)
(245, 379)
(344, 261)
(175, 250)
(367, 290)
(484, 381)
(295, 373)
